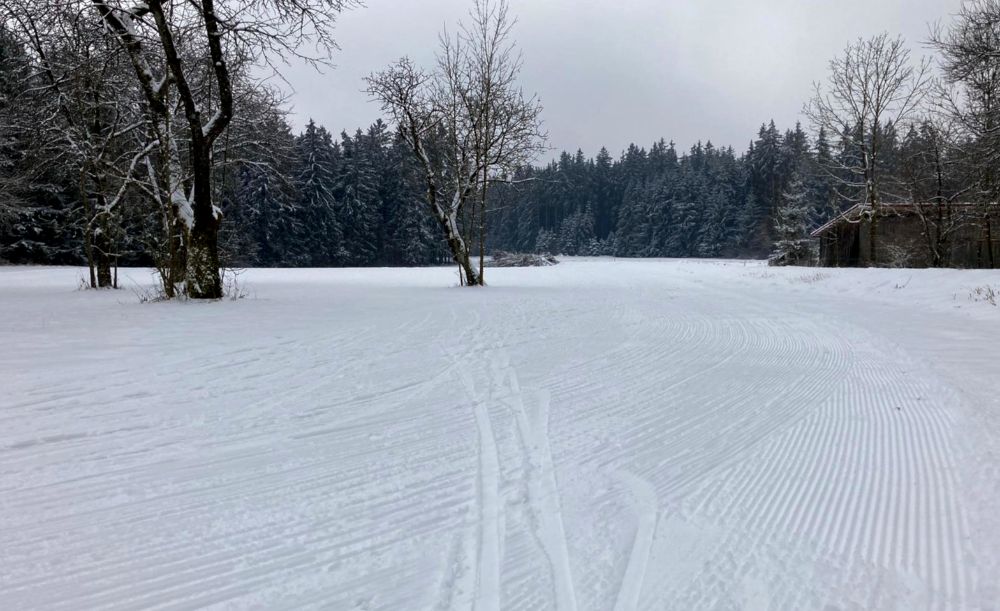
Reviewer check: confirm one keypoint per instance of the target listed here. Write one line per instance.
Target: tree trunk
(88, 249)
(460, 253)
(937, 249)
(203, 279)
(482, 231)
(875, 203)
(873, 194)
(176, 263)
(873, 239)
(88, 228)
(172, 256)
(104, 279)
(103, 261)
(988, 226)
(102, 245)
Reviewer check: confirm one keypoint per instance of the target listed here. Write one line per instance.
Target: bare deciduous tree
(970, 63)
(468, 123)
(86, 116)
(934, 171)
(154, 34)
(872, 85)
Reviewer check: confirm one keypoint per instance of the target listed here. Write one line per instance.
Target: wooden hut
(912, 235)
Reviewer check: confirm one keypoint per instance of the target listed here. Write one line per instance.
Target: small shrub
(896, 257)
(985, 293)
(232, 288)
(809, 278)
(799, 253)
(150, 294)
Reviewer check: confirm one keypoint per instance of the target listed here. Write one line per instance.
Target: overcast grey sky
(610, 73)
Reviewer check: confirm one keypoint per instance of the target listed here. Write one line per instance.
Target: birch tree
(467, 122)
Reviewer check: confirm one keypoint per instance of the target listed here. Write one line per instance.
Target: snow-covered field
(596, 435)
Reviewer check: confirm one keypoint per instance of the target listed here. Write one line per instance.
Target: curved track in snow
(596, 435)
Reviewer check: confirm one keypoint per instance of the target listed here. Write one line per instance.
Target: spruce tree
(791, 225)
(357, 190)
(322, 239)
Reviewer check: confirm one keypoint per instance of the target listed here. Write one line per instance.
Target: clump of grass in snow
(810, 278)
(985, 293)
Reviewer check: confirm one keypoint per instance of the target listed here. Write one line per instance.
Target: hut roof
(855, 212)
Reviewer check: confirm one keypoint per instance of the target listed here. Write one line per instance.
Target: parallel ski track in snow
(542, 487)
(488, 549)
(499, 395)
(675, 442)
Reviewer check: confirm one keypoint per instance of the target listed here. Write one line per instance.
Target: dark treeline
(309, 200)
(89, 174)
(353, 201)
(357, 200)
(705, 202)
(709, 201)
(287, 200)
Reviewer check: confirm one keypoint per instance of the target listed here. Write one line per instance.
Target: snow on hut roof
(854, 213)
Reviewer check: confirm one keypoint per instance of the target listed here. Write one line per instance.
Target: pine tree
(791, 225)
(267, 213)
(825, 204)
(767, 183)
(322, 239)
(576, 232)
(546, 242)
(605, 193)
(357, 191)
(713, 234)
(632, 230)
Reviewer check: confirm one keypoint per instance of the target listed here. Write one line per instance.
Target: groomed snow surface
(596, 435)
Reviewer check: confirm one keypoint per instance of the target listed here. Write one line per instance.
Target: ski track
(596, 435)
(542, 489)
(642, 545)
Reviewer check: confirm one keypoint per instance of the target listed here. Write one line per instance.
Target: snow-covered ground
(596, 435)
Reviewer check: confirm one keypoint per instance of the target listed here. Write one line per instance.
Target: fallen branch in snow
(510, 259)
